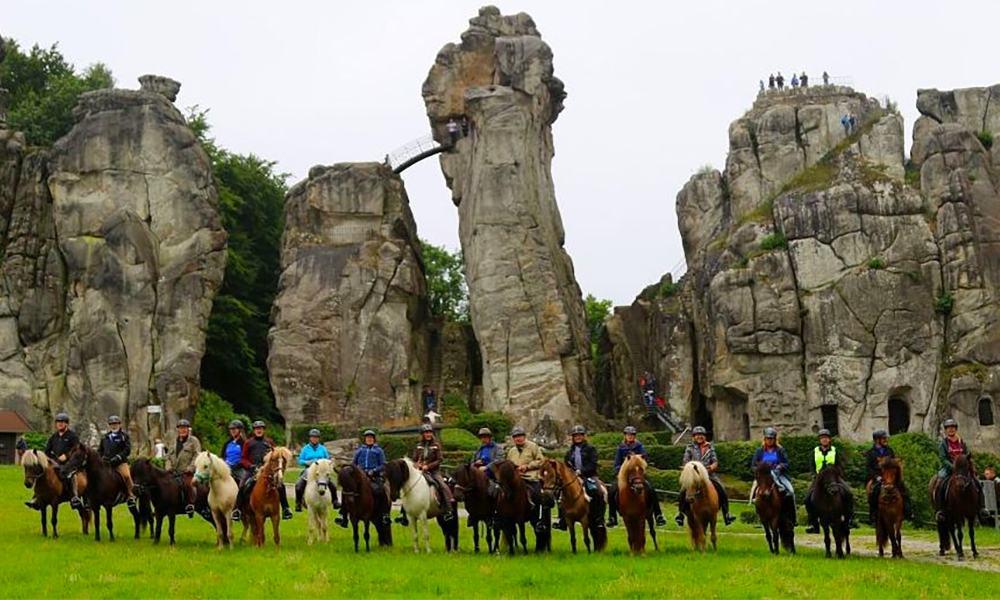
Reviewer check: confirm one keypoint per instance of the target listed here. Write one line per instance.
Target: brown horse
(105, 488)
(473, 487)
(634, 505)
(514, 507)
(702, 503)
(961, 506)
(265, 502)
(889, 515)
(167, 495)
(562, 484)
(40, 474)
(359, 501)
(778, 529)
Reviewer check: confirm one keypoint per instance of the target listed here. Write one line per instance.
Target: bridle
(556, 490)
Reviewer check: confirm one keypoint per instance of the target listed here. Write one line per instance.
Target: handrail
(413, 152)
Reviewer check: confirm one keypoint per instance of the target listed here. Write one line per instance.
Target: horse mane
(218, 465)
(763, 470)
(505, 472)
(891, 463)
(35, 458)
(278, 452)
(312, 473)
(694, 476)
(963, 465)
(630, 462)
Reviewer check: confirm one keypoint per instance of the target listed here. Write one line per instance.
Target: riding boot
(33, 504)
(541, 524)
(75, 501)
(873, 504)
(657, 509)
(723, 502)
(612, 506)
(401, 519)
(561, 521)
(939, 496)
(341, 519)
(191, 496)
(682, 506)
(300, 491)
(286, 513)
(240, 500)
(811, 514)
(852, 522)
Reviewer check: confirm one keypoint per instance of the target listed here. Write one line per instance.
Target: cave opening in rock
(703, 417)
(831, 418)
(899, 416)
(730, 415)
(986, 412)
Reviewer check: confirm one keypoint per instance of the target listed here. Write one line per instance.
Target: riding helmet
(879, 434)
(630, 429)
(770, 432)
(260, 424)
(485, 431)
(236, 424)
(314, 433)
(950, 423)
(823, 432)
(183, 423)
(114, 419)
(369, 432)
(579, 430)
(426, 427)
(517, 431)
(699, 429)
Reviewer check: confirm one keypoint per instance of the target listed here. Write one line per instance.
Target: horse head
(891, 472)
(828, 480)
(34, 463)
(633, 474)
(962, 472)
(694, 478)
(77, 460)
(552, 479)
(142, 472)
(207, 467)
(396, 473)
(321, 473)
(464, 481)
(764, 479)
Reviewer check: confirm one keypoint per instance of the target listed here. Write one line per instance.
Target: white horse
(408, 484)
(222, 490)
(320, 490)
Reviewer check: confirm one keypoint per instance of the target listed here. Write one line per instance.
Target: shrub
(944, 303)
(705, 169)
(665, 457)
(668, 289)
(912, 175)
(300, 433)
(458, 439)
(36, 440)
(985, 138)
(749, 517)
(876, 262)
(735, 457)
(499, 423)
(773, 241)
(211, 421)
(398, 446)
(454, 408)
(664, 480)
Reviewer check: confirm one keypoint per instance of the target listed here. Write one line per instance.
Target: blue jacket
(781, 466)
(370, 458)
(488, 454)
(625, 451)
(232, 451)
(310, 454)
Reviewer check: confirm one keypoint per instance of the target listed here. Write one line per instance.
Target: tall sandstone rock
(113, 251)
(348, 340)
(525, 304)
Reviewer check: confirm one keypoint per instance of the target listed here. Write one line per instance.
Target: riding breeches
(126, 474)
(442, 487)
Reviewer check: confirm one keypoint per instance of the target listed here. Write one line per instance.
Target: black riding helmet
(879, 434)
(236, 424)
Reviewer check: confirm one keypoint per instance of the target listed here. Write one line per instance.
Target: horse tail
(944, 536)
(599, 534)
(786, 531)
(384, 534)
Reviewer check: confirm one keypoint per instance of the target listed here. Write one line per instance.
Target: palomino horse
(105, 488)
(703, 503)
(408, 483)
(40, 474)
(165, 491)
(515, 508)
(222, 492)
(360, 503)
(961, 507)
(320, 491)
(473, 487)
(889, 512)
(265, 502)
(635, 505)
(562, 484)
(770, 506)
(830, 504)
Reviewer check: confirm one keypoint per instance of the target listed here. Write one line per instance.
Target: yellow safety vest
(822, 461)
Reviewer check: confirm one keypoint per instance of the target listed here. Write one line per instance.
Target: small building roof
(11, 422)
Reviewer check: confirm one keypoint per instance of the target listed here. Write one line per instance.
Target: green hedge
(499, 423)
(36, 440)
(398, 446)
(614, 438)
(300, 433)
(458, 439)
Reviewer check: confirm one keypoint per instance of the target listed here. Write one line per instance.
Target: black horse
(164, 490)
(105, 487)
(832, 505)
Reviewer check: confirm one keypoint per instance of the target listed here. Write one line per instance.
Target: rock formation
(525, 304)
(112, 253)
(347, 341)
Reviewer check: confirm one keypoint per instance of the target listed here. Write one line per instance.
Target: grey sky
(652, 87)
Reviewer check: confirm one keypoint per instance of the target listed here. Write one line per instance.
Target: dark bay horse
(889, 512)
(265, 502)
(359, 501)
(105, 488)
(635, 505)
(515, 508)
(830, 503)
(40, 474)
(961, 507)
(562, 484)
(473, 487)
(769, 504)
(165, 492)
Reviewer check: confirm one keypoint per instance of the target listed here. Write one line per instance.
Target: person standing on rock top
(795, 80)
(804, 80)
(780, 80)
(826, 78)
(453, 130)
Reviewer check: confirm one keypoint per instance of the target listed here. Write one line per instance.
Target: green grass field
(78, 567)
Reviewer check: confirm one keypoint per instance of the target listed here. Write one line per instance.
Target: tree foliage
(43, 88)
(446, 289)
(598, 312)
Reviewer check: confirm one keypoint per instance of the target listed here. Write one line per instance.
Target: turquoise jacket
(310, 454)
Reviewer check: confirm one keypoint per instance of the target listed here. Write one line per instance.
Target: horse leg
(524, 539)
(712, 525)
(159, 527)
(97, 523)
(45, 523)
(258, 529)
(475, 532)
(652, 534)
(367, 536)
(173, 522)
(276, 526)
(767, 534)
(880, 537)
(956, 539)
(415, 534)
(55, 520)
(972, 536)
(427, 532)
(826, 538)
(838, 536)
(585, 525)
(354, 527)
(85, 518)
(572, 535)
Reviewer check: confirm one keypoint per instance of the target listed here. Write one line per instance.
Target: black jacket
(59, 445)
(115, 448)
(871, 461)
(588, 456)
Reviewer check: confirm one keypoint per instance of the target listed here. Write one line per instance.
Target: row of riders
(244, 456)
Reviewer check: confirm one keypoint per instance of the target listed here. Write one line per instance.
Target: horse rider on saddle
(370, 458)
(770, 452)
(951, 446)
(528, 458)
(427, 458)
(582, 458)
(825, 455)
(180, 459)
(60, 444)
(702, 450)
(254, 451)
(309, 454)
(631, 445)
(114, 449)
(488, 453)
(880, 449)
(232, 450)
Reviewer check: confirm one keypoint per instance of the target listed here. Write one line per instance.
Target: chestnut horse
(703, 503)
(768, 501)
(561, 483)
(889, 513)
(473, 487)
(357, 496)
(961, 507)
(105, 488)
(265, 503)
(40, 474)
(634, 505)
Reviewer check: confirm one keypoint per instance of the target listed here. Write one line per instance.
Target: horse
(222, 492)
(105, 488)
(265, 502)
(408, 483)
(703, 503)
(515, 508)
(359, 502)
(829, 503)
(769, 504)
(473, 487)
(40, 474)
(635, 505)
(319, 481)
(961, 506)
(562, 484)
(889, 511)
(167, 495)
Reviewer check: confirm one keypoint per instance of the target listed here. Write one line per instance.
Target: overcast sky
(652, 87)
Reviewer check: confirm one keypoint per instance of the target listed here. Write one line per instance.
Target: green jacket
(945, 459)
(181, 457)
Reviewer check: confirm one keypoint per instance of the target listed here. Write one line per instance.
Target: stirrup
(286, 514)
(130, 502)
(660, 521)
(237, 515)
(561, 526)
(812, 529)
(76, 503)
(679, 519)
(728, 519)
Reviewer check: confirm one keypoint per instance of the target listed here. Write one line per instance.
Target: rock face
(525, 304)
(347, 341)
(823, 290)
(113, 251)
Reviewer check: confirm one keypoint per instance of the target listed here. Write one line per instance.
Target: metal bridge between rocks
(413, 152)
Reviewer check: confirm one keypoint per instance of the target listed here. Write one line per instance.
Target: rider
(180, 459)
(582, 458)
(629, 446)
(488, 452)
(371, 459)
(254, 451)
(528, 458)
(427, 457)
(771, 452)
(825, 455)
(881, 449)
(232, 450)
(58, 448)
(309, 454)
(703, 451)
(114, 450)
(951, 446)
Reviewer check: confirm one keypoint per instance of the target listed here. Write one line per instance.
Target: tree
(446, 289)
(44, 88)
(597, 312)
